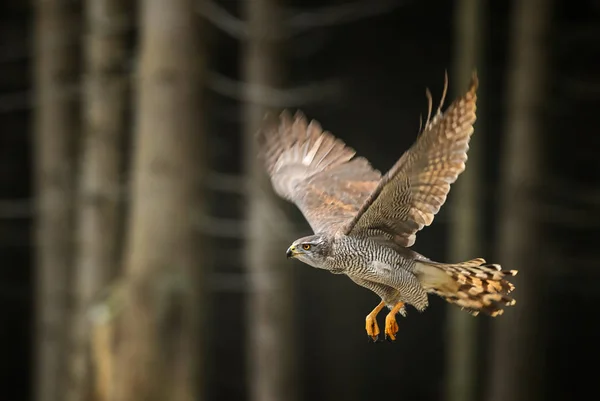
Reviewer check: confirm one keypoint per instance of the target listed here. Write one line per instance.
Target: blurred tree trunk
(466, 205)
(516, 351)
(159, 336)
(105, 101)
(56, 127)
(269, 314)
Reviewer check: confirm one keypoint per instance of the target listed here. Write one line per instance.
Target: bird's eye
(306, 247)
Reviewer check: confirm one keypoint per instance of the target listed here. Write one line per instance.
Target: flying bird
(364, 223)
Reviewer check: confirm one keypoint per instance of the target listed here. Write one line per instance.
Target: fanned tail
(474, 285)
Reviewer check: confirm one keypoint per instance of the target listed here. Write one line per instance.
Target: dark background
(380, 66)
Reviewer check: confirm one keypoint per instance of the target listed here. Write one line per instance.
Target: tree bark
(56, 125)
(159, 337)
(516, 353)
(105, 101)
(269, 313)
(466, 205)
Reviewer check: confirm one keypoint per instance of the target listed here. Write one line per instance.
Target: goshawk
(364, 223)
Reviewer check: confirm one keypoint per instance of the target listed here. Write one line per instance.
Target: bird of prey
(364, 223)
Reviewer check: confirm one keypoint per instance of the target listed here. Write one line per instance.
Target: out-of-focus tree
(269, 312)
(104, 123)
(516, 352)
(466, 204)
(159, 337)
(56, 128)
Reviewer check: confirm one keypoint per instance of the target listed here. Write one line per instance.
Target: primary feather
(315, 170)
(412, 192)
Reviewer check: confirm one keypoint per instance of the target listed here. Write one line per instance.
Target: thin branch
(25, 100)
(272, 97)
(222, 19)
(220, 84)
(581, 216)
(300, 21)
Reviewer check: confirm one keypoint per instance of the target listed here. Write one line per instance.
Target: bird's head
(311, 250)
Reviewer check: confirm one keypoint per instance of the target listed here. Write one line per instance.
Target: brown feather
(473, 285)
(413, 191)
(316, 171)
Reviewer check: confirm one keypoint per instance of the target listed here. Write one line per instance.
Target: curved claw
(374, 339)
(391, 328)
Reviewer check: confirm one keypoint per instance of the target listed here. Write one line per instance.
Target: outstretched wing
(412, 192)
(316, 171)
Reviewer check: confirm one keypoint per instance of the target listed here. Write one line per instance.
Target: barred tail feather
(473, 285)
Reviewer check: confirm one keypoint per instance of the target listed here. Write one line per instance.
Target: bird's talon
(391, 325)
(371, 323)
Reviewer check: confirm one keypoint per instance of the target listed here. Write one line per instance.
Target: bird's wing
(315, 170)
(412, 192)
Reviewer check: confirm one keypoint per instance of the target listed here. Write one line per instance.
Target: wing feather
(315, 170)
(413, 191)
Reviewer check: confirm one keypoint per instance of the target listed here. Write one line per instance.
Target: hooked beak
(291, 252)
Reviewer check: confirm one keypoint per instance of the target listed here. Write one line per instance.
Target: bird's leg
(391, 325)
(371, 325)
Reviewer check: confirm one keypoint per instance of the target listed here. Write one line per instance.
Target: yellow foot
(371, 322)
(372, 328)
(391, 325)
